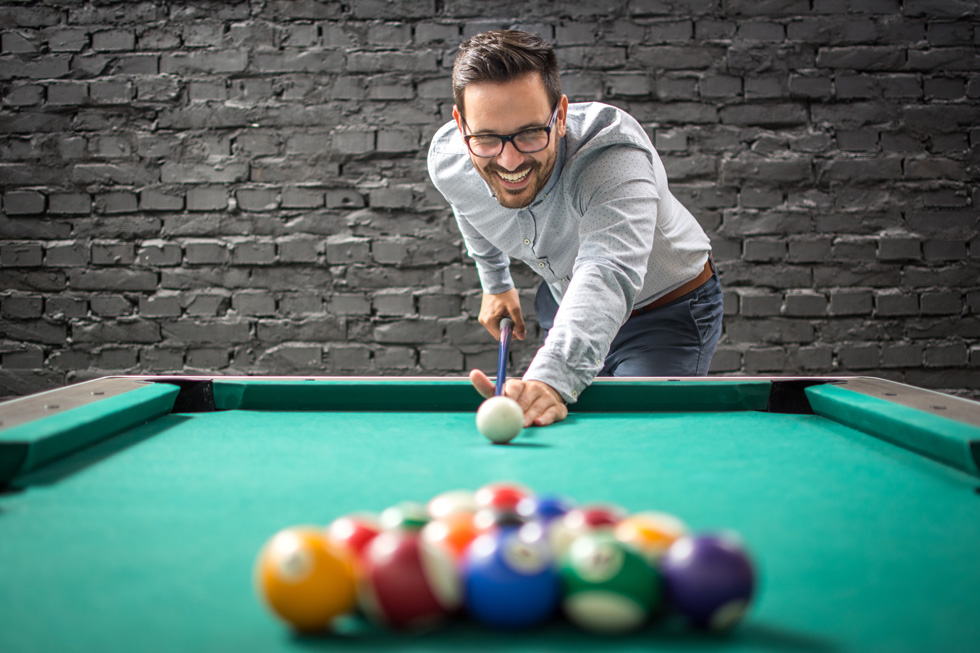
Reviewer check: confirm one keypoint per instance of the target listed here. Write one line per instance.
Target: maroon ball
(405, 583)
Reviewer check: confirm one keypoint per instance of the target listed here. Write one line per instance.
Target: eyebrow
(535, 125)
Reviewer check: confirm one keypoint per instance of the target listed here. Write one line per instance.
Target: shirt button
(527, 242)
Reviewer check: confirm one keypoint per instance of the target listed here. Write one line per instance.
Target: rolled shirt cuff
(567, 380)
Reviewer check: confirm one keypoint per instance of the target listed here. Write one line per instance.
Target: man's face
(506, 108)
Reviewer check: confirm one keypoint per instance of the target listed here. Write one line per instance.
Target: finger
(520, 330)
(554, 413)
(539, 403)
(482, 383)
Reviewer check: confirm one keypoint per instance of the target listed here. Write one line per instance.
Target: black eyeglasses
(526, 141)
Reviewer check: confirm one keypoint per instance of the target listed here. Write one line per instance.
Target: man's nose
(509, 157)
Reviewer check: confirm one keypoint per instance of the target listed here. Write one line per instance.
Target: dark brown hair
(501, 56)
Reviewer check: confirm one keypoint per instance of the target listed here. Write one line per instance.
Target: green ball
(404, 515)
(609, 587)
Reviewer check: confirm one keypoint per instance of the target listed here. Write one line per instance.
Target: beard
(509, 198)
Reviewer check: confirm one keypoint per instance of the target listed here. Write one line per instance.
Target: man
(579, 194)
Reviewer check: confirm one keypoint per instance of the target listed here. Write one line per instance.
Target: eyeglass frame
(504, 139)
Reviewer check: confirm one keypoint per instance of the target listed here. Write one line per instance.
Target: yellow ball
(651, 533)
(303, 579)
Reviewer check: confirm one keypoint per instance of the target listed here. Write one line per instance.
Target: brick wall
(239, 187)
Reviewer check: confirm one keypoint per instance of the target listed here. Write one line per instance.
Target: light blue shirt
(605, 233)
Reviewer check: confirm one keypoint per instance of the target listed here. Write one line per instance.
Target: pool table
(132, 508)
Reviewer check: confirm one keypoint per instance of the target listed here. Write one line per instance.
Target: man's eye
(531, 136)
(484, 140)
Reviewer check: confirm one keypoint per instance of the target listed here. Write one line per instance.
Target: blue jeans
(676, 339)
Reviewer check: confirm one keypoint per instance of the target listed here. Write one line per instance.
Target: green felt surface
(145, 542)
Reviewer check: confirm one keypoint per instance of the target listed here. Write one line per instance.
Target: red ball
(406, 582)
(500, 496)
(353, 532)
(581, 520)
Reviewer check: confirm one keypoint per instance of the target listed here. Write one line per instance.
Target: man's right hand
(494, 308)
(541, 404)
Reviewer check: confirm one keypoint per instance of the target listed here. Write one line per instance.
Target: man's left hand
(542, 405)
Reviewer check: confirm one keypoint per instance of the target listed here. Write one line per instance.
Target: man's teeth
(513, 178)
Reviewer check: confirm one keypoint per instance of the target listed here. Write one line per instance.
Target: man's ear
(562, 118)
(458, 117)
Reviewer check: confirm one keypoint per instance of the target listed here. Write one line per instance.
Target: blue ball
(544, 507)
(511, 579)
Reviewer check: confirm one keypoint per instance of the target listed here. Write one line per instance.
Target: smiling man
(577, 192)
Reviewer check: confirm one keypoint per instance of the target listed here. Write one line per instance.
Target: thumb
(482, 383)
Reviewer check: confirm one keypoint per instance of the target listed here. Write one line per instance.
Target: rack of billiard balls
(507, 558)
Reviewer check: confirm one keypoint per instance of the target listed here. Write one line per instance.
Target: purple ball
(709, 579)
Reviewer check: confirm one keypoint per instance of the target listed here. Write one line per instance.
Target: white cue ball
(500, 419)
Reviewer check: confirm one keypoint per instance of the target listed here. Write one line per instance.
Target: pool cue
(506, 326)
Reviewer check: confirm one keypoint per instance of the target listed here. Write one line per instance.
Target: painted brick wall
(239, 187)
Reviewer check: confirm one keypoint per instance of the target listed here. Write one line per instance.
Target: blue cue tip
(506, 327)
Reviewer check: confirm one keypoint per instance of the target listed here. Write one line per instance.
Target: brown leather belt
(690, 286)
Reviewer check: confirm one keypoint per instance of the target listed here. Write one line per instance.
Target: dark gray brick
(71, 254)
(161, 305)
(113, 254)
(899, 248)
(155, 200)
(952, 354)
(349, 304)
(66, 307)
(123, 330)
(348, 357)
(23, 202)
(941, 302)
(805, 303)
(257, 199)
(347, 249)
(317, 329)
(298, 250)
(755, 303)
(110, 305)
(207, 198)
(255, 303)
(253, 253)
(393, 302)
(768, 359)
(896, 303)
(25, 359)
(859, 357)
(207, 358)
(764, 249)
(21, 307)
(159, 254)
(396, 358)
(901, 355)
(944, 250)
(206, 332)
(19, 255)
(440, 358)
(851, 301)
(115, 279)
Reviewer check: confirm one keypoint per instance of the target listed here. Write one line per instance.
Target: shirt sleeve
(492, 265)
(617, 195)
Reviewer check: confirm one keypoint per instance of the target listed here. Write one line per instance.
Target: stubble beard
(510, 199)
